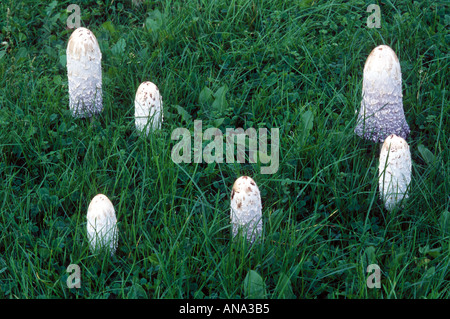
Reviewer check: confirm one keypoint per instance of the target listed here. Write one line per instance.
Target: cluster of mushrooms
(381, 119)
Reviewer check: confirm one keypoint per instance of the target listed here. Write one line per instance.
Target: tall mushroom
(102, 228)
(148, 108)
(84, 72)
(381, 113)
(246, 208)
(394, 171)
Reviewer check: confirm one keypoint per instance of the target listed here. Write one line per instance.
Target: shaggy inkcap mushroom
(246, 208)
(148, 106)
(381, 113)
(102, 229)
(84, 72)
(394, 171)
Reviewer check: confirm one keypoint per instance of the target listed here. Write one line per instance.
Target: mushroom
(137, 3)
(84, 72)
(394, 171)
(381, 112)
(246, 208)
(102, 229)
(148, 105)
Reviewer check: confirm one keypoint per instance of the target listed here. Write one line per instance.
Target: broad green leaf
(426, 154)
(206, 96)
(53, 117)
(423, 285)
(184, 114)
(220, 100)
(153, 259)
(118, 49)
(424, 250)
(21, 54)
(308, 119)
(57, 80)
(218, 122)
(369, 254)
(254, 287)
(283, 289)
(434, 252)
(22, 37)
(136, 292)
(154, 21)
(430, 272)
(63, 60)
(51, 7)
(109, 26)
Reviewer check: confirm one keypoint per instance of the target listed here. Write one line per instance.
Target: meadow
(292, 65)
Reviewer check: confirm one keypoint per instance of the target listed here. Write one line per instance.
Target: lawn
(295, 66)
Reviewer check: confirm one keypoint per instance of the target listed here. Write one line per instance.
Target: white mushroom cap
(84, 72)
(381, 112)
(148, 107)
(246, 208)
(102, 229)
(394, 171)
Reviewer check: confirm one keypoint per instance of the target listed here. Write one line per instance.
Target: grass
(292, 65)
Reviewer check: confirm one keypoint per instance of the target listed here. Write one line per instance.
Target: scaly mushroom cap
(84, 72)
(102, 229)
(148, 108)
(381, 113)
(246, 208)
(394, 171)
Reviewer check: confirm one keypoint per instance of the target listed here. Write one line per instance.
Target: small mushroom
(148, 108)
(84, 73)
(394, 171)
(246, 208)
(137, 3)
(381, 113)
(102, 229)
